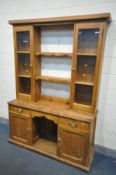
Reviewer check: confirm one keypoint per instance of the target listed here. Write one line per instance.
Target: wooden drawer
(18, 110)
(47, 116)
(73, 125)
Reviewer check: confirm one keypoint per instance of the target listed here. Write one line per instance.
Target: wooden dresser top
(100, 16)
(55, 108)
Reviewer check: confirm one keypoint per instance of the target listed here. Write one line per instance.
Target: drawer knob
(59, 140)
(73, 69)
(20, 110)
(28, 129)
(73, 125)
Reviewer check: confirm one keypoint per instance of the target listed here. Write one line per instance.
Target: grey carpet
(15, 160)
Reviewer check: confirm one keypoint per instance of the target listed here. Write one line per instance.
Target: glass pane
(23, 41)
(83, 94)
(24, 64)
(85, 69)
(24, 85)
(88, 40)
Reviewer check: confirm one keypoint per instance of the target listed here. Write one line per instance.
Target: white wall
(19, 9)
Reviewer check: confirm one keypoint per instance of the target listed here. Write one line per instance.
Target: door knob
(73, 69)
(20, 110)
(28, 129)
(59, 139)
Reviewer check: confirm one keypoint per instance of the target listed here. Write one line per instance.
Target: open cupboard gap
(46, 134)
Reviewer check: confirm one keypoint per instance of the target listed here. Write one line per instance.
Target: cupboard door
(72, 146)
(23, 58)
(20, 128)
(88, 41)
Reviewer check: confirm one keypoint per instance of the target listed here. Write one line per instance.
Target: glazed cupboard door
(87, 54)
(73, 146)
(23, 59)
(20, 128)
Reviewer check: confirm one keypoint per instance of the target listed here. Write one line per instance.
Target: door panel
(72, 146)
(23, 59)
(86, 65)
(20, 128)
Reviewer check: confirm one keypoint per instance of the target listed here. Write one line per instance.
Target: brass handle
(73, 125)
(20, 110)
(31, 67)
(26, 70)
(28, 129)
(73, 69)
(59, 139)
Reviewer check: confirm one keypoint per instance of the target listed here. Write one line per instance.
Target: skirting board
(4, 120)
(98, 148)
(105, 151)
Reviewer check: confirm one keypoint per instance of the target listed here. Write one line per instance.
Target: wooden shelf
(55, 54)
(53, 79)
(24, 76)
(23, 52)
(45, 145)
(84, 83)
(86, 54)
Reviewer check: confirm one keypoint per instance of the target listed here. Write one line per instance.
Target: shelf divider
(86, 54)
(23, 52)
(24, 76)
(86, 83)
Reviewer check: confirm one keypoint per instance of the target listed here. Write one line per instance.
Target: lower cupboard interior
(46, 135)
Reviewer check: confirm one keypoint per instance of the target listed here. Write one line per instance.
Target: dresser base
(32, 148)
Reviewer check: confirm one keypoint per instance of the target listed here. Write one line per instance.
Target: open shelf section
(84, 83)
(86, 54)
(46, 145)
(53, 79)
(55, 54)
(46, 132)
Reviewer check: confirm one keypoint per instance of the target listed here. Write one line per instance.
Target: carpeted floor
(15, 160)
